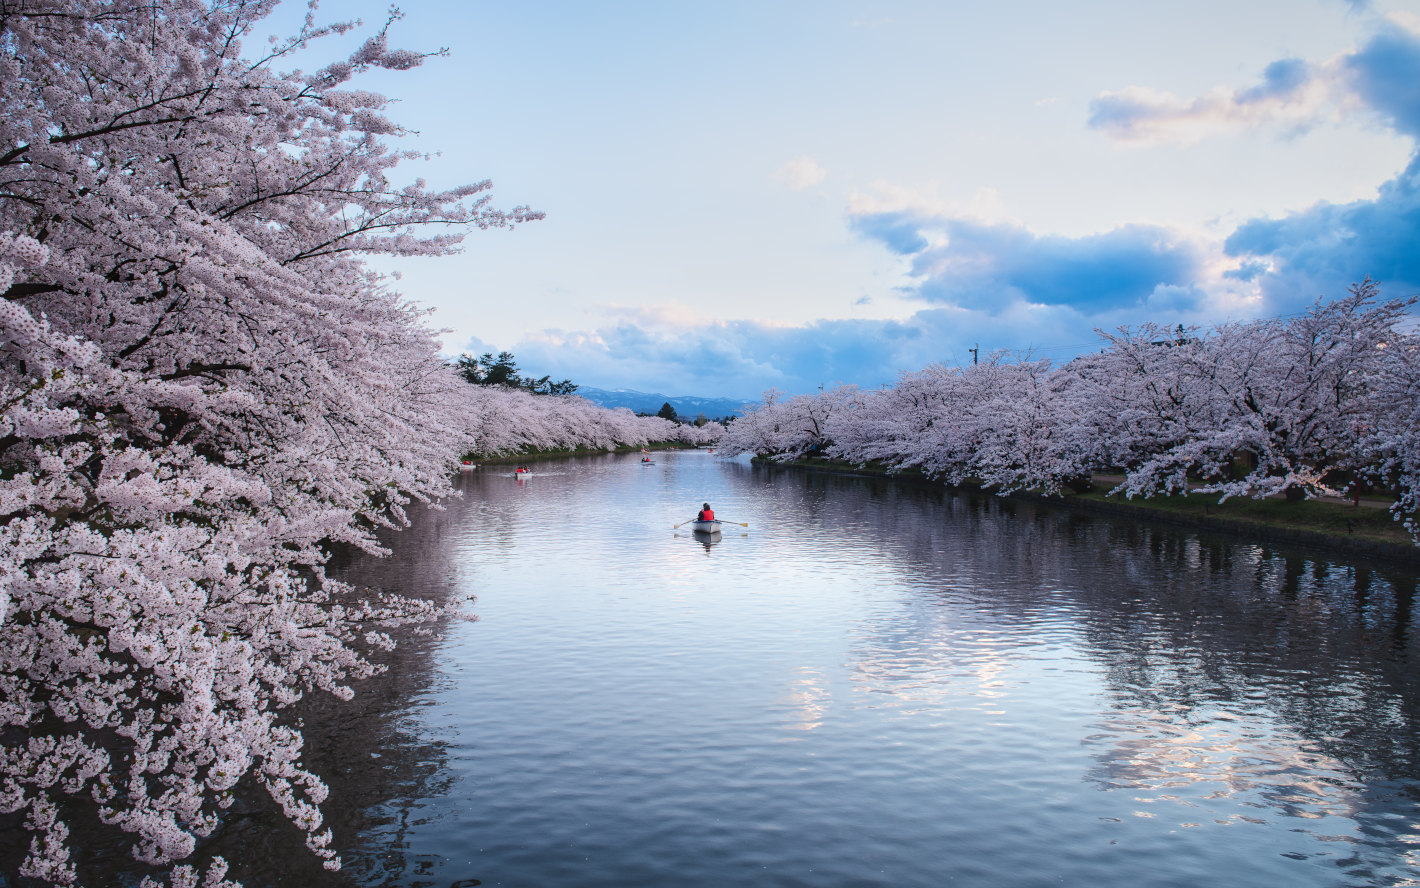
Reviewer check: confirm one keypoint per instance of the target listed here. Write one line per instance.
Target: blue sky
(746, 195)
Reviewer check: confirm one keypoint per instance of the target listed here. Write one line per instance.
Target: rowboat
(705, 526)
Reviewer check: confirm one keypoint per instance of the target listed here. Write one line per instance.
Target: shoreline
(1388, 540)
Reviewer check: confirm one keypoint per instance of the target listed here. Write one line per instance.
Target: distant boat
(705, 526)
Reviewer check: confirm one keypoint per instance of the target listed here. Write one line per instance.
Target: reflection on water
(881, 684)
(873, 684)
(372, 751)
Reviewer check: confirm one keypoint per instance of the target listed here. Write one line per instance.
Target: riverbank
(1365, 530)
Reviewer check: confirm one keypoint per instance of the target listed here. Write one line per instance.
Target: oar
(721, 520)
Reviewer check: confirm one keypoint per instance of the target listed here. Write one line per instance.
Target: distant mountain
(686, 406)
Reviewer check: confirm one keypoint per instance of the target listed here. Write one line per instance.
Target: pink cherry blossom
(1303, 406)
(203, 388)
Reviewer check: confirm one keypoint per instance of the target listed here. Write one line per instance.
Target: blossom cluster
(1312, 405)
(506, 420)
(202, 390)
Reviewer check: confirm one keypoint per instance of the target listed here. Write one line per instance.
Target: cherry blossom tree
(1005, 424)
(893, 422)
(750, 432)
(1296, 407)
(791, 428)
(1390, 446)
(1292, 398)
(203, 388)
(708, 434)
(506, 420)
(1023, 434)
(1139, 399)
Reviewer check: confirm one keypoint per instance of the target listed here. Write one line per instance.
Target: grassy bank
(1367, 529)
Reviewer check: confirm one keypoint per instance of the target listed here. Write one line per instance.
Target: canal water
(872, 684)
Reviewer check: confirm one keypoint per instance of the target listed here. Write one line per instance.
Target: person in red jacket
(706, 514)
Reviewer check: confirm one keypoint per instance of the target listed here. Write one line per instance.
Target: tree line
(502, 369)
(504, 421)
(1325, 403)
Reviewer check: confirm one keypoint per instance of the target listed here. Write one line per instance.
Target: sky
(744, 196)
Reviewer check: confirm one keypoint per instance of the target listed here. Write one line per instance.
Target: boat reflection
(708, 540)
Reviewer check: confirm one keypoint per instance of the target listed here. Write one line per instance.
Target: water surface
(872, 684)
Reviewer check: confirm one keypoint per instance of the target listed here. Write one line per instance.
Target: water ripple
(884, 685)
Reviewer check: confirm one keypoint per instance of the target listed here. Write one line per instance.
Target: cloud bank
(1290, 91)
(1324, 248)
(975, 265)
(745, 358)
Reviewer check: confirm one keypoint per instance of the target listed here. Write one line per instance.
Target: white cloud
(800, 173)
(1292, 96)
(1405, 19)
(985, 204)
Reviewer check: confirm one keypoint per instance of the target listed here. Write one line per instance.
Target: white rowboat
(705, 526)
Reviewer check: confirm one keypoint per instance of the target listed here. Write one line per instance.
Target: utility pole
(973, 353)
